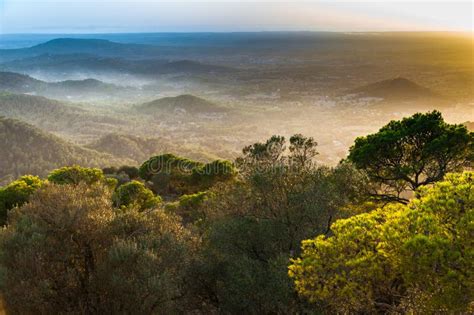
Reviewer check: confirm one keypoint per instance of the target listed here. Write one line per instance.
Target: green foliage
(136, 194)
(16, 194)
(75, 175)
(131, 171)
(207, 175)
(171, 175)
(69, 249)
(190, 207)
(254, 225)
(413, 152)
(404, 259)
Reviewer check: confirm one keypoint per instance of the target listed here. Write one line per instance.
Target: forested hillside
(182, 104)
(28, 150)
(141, 148)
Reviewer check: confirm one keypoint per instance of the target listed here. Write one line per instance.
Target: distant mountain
(52, 115)
(69, 89)
(90, 64)
(19, 83)
(84, 87)
(79, 45)
(140, 149)
(29, 150)
(131, 147)
(32, 107)
(181, 105)
(394, 89)
(76, 45)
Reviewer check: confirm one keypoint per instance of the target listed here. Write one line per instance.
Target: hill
(29, 150)
(93, 63)
(140, 149)
(36, 108)
(78, 45)
(84, 88)
(394, 89)
(181, 105)
(128, 146)
(53, 115)
(20, 83)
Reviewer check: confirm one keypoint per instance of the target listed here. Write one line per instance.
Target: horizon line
(240, 32)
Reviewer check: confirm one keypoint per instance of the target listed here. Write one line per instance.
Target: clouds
(190, 15)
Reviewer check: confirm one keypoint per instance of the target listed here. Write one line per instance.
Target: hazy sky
(89, 16)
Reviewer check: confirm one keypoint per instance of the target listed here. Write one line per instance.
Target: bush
(16, 194)
(75, 175)
(135, 194)
(68, 250)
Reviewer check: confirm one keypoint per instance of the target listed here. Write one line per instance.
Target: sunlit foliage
(16, 194)
(135, 193)
(401, 259)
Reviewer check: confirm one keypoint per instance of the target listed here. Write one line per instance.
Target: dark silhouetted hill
(182, 104)
(93, 63)
(394, 89)
(19, 83)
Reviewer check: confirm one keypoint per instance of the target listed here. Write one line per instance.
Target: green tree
(16, 194)
(75, 175)
(268, 154)
(255, 224)
(68, 250)
(211, 173)
(401, 259)
(413, 152)
(135, 193)
(302, 149)
(168, 174)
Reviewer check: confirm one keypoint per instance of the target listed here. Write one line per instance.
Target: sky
(106, 16)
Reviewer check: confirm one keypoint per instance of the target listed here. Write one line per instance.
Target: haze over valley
(208, 95)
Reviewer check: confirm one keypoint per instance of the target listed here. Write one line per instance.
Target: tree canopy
(136, 194)
(412, 152)
(16, 194)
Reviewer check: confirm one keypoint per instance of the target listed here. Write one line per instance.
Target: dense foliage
(135, 193)
(252, 227)
(416, 258)
(16, 194)
(68, 250)
(171, 174)
(181, 236)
